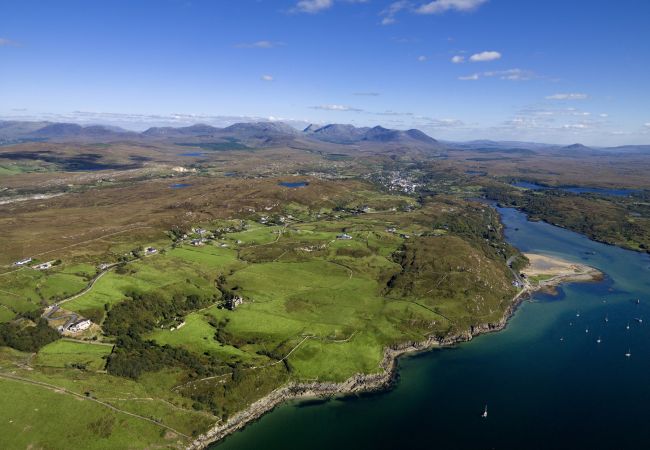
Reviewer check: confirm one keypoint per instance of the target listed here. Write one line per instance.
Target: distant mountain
(337, 133)
(349, 134)
(576, 148)
(485, 144)
(12, 129)
(194, 130)
(61, 131)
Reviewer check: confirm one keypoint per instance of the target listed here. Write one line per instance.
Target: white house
(80, 326)
(22, 262)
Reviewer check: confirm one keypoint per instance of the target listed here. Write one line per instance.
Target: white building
(80, 326)
(22, 262)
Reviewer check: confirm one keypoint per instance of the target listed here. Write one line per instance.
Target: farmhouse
(234, 302)
(344, 236)
(80, 326)
(150, 250)
(22, 262)
(44, 266)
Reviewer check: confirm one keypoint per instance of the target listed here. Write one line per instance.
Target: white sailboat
(484, 415)
(628, 354)
(598, 341)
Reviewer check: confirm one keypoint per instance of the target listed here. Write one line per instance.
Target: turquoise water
(547, 383)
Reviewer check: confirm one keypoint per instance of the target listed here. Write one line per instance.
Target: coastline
(365, 383)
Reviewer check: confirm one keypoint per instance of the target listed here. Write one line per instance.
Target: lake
(294, 184)
(542, 392)
(578, 189)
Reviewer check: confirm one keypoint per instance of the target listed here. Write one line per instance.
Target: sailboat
(586, 330)
(606, 318)
(578, 314)
(484, 415)
(627, 327)
(598, 341)
(629, 353)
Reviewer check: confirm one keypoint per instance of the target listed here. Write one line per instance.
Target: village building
(82, 325)
(234, 302)
(150, 250)
(344, 237)
(22, 262)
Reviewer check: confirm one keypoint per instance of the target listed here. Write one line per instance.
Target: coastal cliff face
(363, 383)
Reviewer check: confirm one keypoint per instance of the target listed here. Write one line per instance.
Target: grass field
(315, 307)
(64, 353)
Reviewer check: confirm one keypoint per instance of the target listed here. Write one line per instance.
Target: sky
(547, 71)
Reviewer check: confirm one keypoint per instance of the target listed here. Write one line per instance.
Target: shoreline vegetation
(543, 273)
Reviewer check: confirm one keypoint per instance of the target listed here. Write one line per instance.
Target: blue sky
(553, 71)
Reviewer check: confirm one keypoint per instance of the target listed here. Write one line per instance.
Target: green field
(62, 353)
(315, 307)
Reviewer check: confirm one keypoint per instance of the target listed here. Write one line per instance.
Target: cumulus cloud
(339, 108)
(458, 59)
(267, 78)
(647, 124)
(485, 56)
(422, 58)
(472, 77)
(567, 96)
(441, 6)
(259, 44)
(603, 115)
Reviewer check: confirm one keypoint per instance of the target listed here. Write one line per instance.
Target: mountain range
(266, 134)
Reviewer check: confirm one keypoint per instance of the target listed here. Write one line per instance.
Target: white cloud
(259, 44)
(422, 58)
(441, 6)
(485, 56)
(313, 6)
(333, 107)
(458, 59)
(267, 78)
(391, 11)
(647, 124)
(575, 126)
(603, 115)
(509, 75)
(568, 96)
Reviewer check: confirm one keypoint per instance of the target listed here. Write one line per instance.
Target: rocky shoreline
(364, 383)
